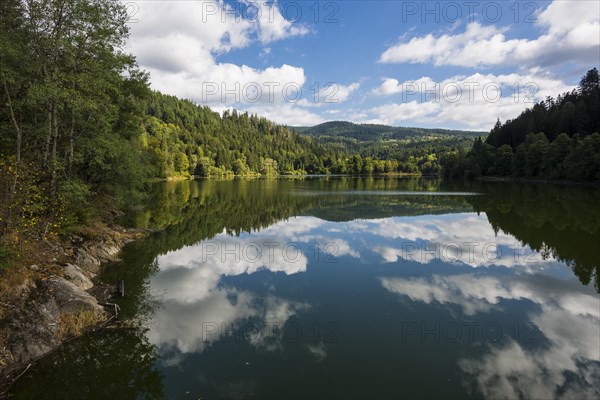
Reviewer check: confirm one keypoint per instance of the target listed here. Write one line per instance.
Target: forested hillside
(371, 132)
(555, 139)
(415, 149)
(185, 139)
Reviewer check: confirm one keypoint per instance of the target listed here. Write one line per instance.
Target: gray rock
(87, 262)
(70, 298)
(34, 329)
(105, 252)
(76, 276)
(49, 311)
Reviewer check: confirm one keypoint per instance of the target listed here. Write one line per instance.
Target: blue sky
(448, 64)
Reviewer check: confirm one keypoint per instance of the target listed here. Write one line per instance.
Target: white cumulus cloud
(474, 101)
(571, 32)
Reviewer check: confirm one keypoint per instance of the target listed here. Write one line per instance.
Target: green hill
(186, 139)
(371, 132)
(390, 142)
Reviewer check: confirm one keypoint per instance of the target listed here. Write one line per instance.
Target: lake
(348, 287)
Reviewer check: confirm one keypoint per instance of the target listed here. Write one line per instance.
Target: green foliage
(583, 162)
(74, 195)
(70, 113)
(504, 160)
(558, 152)
(240, 144)
(246, 145)
(25, 210)
(6, 255)
(537, 147)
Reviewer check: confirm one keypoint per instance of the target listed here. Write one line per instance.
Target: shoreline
(295, 176)
(61, 299)
(538, 181)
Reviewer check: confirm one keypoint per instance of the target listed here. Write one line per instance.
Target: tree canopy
(556, 139)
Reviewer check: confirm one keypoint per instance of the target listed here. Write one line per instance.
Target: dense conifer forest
(555, 139)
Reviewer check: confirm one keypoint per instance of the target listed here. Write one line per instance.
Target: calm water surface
(348, 288)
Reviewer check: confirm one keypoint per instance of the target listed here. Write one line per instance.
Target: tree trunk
(71, 141)
(49, 135)
(18, 132)
(53, 160)
(18, 138)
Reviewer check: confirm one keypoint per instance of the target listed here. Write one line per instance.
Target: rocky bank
(61, 300)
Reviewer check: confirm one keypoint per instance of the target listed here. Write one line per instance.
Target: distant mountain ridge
(374, 132)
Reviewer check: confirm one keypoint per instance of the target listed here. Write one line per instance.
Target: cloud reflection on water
(568, 314)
